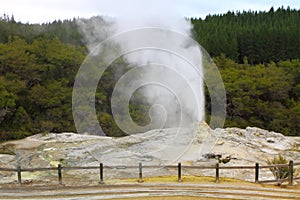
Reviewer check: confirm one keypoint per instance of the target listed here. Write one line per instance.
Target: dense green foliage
(260, 95)
(257, 54)
(67, 31)
(36, 86)
(262, 37)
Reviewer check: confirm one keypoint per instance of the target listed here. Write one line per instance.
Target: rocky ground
(156, 147)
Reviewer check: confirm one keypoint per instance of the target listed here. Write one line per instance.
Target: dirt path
(157, 191)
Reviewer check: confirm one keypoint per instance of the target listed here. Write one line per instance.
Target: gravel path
(209, 191)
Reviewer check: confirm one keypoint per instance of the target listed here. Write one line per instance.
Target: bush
(279, 172)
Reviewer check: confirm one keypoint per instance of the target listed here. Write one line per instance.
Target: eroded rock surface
(156, 147)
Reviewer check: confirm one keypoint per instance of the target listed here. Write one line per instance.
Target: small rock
(212, 156)
(27, 181)
(256, 134)
(270, 140)
(269, 151)
(221, 142)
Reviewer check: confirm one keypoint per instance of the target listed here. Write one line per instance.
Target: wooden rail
(179, 168)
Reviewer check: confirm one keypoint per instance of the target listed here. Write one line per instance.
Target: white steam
(172, 80)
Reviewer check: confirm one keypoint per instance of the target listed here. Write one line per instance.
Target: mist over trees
(257, 54)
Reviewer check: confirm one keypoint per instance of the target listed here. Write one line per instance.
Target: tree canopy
(261, 37)
(257, 53)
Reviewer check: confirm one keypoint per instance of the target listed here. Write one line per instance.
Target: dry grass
(185, 179)
(7, 149)
(200, 179)
(169, 198)
(195, 179)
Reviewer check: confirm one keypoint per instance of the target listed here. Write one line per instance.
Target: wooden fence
(179, 168)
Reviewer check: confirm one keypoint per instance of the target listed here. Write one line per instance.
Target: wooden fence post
(179, 172)
(140, 173)
(217, 173)
(19, 175)
(256, 172)
(101, 174)
(291, 171)
(59, 174)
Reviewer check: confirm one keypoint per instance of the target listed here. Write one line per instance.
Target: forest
(257, 53)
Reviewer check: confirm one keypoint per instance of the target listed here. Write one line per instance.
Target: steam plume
(171, 82)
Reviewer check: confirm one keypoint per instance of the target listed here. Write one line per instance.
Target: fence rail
(179, 167)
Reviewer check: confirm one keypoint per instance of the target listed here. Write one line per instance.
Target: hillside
(262, 37)
(256, 52)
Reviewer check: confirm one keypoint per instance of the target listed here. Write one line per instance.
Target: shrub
(279, 172)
